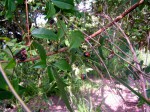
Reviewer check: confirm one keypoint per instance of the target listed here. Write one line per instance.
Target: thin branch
(13, 90)
(27, 24)
(135, 60)
(118, 18)
(48, 54)
(38, 57)
(88, 37)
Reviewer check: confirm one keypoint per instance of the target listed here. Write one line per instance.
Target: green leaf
(3, 84)
(41, 51)
(5, 95)
(10, 5)
(61, 28)
(147, 69)
(63, 65)
(63, 4)
(21, 90)
(11, 64)
(61, 87)
(50, 10)
(40, 64)
(8, 14)
(44, 33)
(76, 39)
(101, 41)
(15, 83)
(50, 74)
(101, 52)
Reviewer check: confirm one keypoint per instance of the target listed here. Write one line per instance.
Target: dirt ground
(118, 99)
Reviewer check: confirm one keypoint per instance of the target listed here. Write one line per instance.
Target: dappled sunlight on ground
(110, 98)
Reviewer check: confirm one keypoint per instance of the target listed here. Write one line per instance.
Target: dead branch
(118, 18)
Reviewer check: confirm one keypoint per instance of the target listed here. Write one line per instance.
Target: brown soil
(118, 99)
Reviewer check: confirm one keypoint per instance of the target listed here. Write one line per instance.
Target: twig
(38, 57)
(88, 37)
(13, 90)
(118, 18)
(135, 60)
(48, 54)
(27, 24)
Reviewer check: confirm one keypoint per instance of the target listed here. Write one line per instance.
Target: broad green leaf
(61, 28)
(60, 33)
(40, 64)
(76, 39)
(50, 10)
(3, 84)
(8, 52)
(50, 74)
(5, 94)
(71, 2)
(11, 64)
(44, 33)
(41, 51)
(21, 90)
(63, 65)
(10, 8)
(15, 83)
(8, 14)
(63, 4)
(61, 87)
(10, 5)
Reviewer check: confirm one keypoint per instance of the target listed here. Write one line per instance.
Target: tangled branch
(118, 18)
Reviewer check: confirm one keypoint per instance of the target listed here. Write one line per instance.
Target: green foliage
(11, 64)
(44, 34)
(40, 64)
(63, 65)
(41, 51)
(59, 70)
(76, 39)
(3, 84)
(50, 10)
(10, 7)
(61, 29)
(50, 74)
(62, 90)
(64, 4)
(5, 94)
